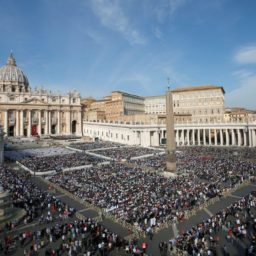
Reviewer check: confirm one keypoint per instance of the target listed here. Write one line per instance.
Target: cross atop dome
(11, 60)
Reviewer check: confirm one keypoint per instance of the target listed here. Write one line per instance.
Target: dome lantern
(11, 60)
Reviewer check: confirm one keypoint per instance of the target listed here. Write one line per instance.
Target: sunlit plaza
(127, 128)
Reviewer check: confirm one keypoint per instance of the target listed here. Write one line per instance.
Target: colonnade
(32, 122)
(212, 137)
(223, 134)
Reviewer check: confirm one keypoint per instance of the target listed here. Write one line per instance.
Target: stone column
(59, 123)
(250, 137)
(17, 123)
(204, 137)
(79, 123)
(209, 137)
(46, 126)
(227, 137)
(253, 138)
(6, 122)
(182, 137)
(39, 123)
(193, 137)
(29, 124)
(145, 142)
(198, 137)
(50, 122)
(188, 137)
(245, 138)
(177, 137)
(155, 139)
(68, 122)
(239, 137)
(233, 138)
(221, 137)
(215, 137)
(21, 123)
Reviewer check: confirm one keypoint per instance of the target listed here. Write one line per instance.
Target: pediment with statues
(34, 101)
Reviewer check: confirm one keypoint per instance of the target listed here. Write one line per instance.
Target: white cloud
(167, 8)
(112, 16)
(176, 4)
(246, 55)
(244, 95)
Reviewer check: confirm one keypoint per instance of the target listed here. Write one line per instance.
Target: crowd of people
(126, 152)
(148, 199)
(236, 222)
(17, 155)
(63, 234)
(65, 137)
(94, 145)
(38, 204)
(126, 192)
(188, 157)
(78, 237)
(58, 162)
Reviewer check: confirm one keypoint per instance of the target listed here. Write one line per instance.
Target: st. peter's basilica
(27, 112)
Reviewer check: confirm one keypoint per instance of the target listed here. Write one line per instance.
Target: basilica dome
(12, 78)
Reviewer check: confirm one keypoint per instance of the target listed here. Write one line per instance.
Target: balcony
(12, 121)
(54, 120)
(34, 120)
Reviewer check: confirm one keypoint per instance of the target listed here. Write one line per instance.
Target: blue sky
(97, 46)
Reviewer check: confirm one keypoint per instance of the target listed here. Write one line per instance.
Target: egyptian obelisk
(170, 144)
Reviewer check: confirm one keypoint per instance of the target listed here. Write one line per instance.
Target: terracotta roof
(198, 88)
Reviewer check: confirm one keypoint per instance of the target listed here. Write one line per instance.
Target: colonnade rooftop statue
(170, 144)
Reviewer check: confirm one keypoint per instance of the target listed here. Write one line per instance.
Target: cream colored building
(155, 105)
(239, 115)
(205, 104)
(123, 104)
(116, 106)
(26, 112)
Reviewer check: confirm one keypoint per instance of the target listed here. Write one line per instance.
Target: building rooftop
(128, 94)
(198, 88)
(155, 97)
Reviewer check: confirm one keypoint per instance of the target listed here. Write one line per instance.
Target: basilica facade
(27, 112)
